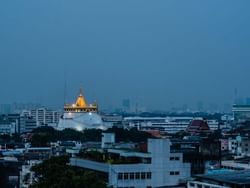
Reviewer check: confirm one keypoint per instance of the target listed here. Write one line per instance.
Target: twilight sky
(159, 53)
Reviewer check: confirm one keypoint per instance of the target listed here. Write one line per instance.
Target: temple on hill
(80, 116)
(80, 105)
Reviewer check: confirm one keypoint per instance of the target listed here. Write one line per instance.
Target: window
(143, 175)
(199, 186)
(191, 184)
(176, 173)
(172, 173)
(174, 158)
(120, 176)
(131, 175)
(137, 175)
(149, 175)
(125, 176)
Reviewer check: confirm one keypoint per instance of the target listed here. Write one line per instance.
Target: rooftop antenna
(81, 89)
(136, 108)
(65, 88)
(235, 95)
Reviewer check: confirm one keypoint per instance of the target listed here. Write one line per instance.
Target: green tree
(42, 136)
(16, 137)
(40, 140)
(132, 135)
(55, 173)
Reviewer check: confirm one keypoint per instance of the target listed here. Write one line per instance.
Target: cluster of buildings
(28, 120)
(170, 125)
(81, 115)
(155, 167)
(185, 152)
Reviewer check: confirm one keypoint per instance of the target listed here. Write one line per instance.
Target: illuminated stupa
(80, 105)
(80, 115)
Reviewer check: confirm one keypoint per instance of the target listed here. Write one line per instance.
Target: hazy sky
(158, 53)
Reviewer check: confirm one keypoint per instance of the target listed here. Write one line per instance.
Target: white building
(44, 116)
(80, 116)
(165, 124)
(28, 123)
(157, 168)
(112, 120)
(108, 140)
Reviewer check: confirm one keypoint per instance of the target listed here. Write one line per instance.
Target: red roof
(198, 127)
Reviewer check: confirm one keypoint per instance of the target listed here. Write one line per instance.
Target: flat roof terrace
(239, 178)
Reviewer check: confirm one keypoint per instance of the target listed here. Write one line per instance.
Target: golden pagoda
(80, 105)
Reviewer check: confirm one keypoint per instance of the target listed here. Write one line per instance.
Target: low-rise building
(198, 127)
(7, 126)
(108, 140)
(28, 123)
(202, 154)
(157, 167)
(241, 113)
(166, 124)
(112, 120)
(239, 146)
(16, 123)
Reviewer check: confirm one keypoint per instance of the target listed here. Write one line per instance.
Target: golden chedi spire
(80, 101)
(80, 105)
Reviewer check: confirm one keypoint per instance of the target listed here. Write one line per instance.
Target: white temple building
(80, 116)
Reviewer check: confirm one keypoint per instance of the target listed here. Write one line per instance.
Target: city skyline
(154, 55)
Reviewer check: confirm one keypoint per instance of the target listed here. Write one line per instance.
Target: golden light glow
(80, 105)
(80, 101)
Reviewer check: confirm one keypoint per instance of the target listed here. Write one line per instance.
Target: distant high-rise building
(184, 107)
(126, 105)
(44, 116)
(5, 108)
(227, 107)
(239, 101)
(200, 106)
(213, 107)
(17, 107)
(248, 101)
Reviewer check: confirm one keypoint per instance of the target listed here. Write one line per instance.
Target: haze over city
(161, 54)
(118, 94)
